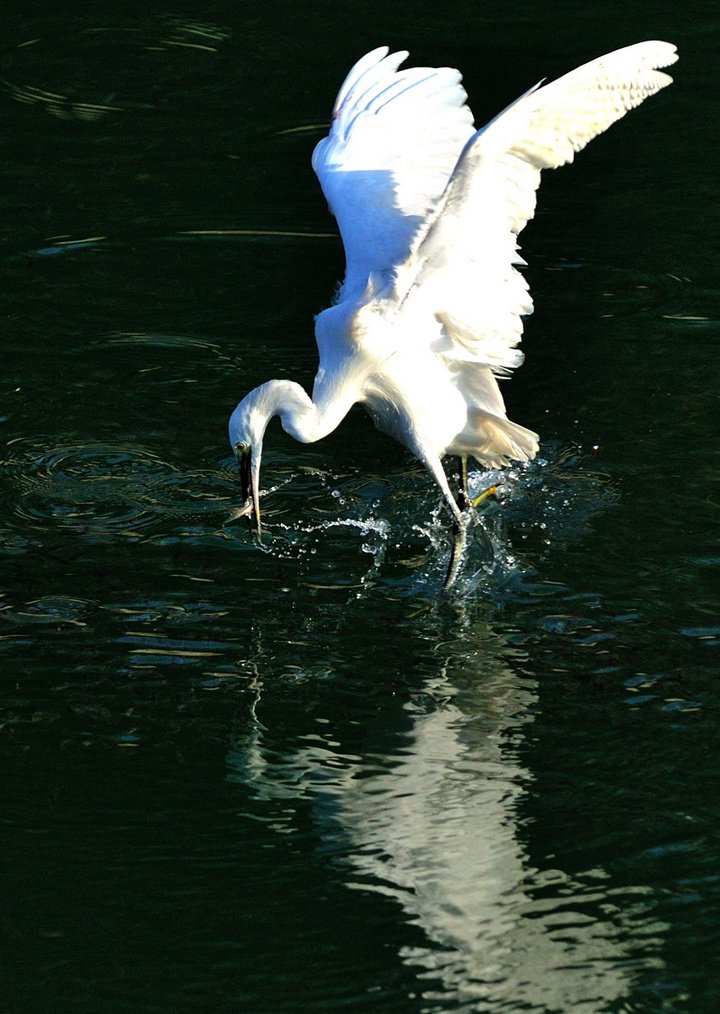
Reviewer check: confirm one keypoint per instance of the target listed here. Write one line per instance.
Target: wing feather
(395, 138)
(462, 266)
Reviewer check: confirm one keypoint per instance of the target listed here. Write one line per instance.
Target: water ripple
(104, 490)
(67, 73)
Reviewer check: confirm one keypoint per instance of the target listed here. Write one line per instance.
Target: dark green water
(295, 779)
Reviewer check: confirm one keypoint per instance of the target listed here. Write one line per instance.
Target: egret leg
(460, 524)
(459, 534)
(459, 529)
(460, 519)
(464, 493)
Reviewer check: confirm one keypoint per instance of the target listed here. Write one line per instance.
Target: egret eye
(241, 448)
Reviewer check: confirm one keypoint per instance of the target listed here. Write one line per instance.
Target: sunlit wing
(462, 265)
(393, 143)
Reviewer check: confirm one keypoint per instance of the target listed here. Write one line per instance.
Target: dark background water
(295, 778)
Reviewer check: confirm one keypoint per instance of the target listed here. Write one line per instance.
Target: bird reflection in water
(434, 822)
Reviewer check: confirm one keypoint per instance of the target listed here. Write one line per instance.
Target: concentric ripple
(103, 491)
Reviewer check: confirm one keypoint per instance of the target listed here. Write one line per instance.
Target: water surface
(295, 777)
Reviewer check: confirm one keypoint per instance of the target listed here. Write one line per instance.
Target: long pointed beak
(250, 480)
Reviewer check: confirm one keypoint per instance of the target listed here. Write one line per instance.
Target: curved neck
(304, 419)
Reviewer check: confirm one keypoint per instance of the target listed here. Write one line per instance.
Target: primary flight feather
(429, 209)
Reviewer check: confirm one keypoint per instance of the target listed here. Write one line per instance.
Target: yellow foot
(486, 493)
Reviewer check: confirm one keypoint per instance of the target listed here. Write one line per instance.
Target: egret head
(246, 430)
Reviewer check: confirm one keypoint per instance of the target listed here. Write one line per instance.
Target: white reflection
(434, 824)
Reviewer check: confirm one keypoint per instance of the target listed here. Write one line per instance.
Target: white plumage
(429, 209)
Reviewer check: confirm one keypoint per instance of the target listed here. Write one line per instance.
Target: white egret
(430, 311)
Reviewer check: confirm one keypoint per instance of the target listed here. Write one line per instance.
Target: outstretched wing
(462, 264)
(393, 143)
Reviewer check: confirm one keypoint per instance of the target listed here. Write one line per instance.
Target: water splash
(538, 507)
